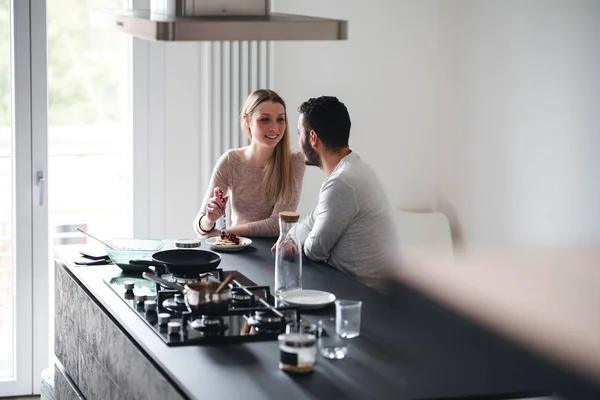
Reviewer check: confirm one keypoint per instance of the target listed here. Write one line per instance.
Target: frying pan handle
(158, 266)
(164, 282)
(150, 263)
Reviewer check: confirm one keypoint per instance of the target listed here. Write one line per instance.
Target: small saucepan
(201, 298)
(185, 262)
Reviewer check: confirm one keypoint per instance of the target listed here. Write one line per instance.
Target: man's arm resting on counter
(335, 210)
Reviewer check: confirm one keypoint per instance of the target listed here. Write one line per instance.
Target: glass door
(21, 160)
(65, 157)
(7, 271)
(89, 134)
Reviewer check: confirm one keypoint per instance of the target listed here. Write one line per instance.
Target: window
(6, 195)
(89, 139)
(89, 158)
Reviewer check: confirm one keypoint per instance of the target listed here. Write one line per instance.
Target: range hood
(217, 20)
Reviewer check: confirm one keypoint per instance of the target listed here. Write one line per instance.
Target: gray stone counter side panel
(66, 293)
(94, 382)
(66, 316)
(66, 345)
(127, 366)
(62, 388)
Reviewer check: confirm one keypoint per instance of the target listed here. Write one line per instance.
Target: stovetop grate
(179, 327)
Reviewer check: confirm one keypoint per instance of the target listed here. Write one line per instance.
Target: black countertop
(409, 347)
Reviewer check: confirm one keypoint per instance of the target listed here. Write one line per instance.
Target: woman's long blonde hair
(279, 180)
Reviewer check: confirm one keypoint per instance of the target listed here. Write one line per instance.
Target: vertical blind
(230, 71)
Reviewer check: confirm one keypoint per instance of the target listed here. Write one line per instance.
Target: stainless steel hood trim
(194, 8)
(163, 27)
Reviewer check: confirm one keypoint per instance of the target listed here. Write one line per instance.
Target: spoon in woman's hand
(224, 225)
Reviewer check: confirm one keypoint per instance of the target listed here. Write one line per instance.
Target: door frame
(28, 126)
(33, 276)
(43, 276)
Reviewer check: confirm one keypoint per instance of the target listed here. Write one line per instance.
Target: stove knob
(173, 328)
(163, 318)
(140, 298)
(150, 305)
(128, 285)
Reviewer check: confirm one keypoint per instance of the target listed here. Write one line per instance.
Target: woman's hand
(213, 233)
(215, 207)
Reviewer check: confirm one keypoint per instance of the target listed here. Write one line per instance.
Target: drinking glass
(347, 317)
(331, 344)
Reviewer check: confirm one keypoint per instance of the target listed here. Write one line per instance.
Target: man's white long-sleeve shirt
(352, 226)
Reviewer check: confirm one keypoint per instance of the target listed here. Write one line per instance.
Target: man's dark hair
(329, 117)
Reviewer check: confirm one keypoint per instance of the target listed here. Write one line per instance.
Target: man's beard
(311, 157)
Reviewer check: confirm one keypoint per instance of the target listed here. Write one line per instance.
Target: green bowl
(124, 250)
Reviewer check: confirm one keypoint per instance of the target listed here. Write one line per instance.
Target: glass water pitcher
(288, 254)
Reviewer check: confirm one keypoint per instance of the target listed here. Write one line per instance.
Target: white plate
(307, 298)
(244, 242)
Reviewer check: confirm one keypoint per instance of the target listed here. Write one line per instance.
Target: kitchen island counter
(409, 347)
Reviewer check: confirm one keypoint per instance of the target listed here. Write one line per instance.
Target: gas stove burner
(253, 313)
(175, 304)
(182, 280)
(266, 321)
(268, 329)
(240, 294)
(267, 317)
(216, 275)
(209, 324)
(239, 298)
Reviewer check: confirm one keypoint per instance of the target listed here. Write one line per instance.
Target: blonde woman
(261, 179)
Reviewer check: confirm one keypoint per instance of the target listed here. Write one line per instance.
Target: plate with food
(228, 242)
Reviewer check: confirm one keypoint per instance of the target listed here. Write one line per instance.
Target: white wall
(519, 121)
(169, 179)
(487, 109)
(184, 186)
(186, 120)
(384, 74)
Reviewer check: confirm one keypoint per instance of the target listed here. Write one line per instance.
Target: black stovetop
(241, 323)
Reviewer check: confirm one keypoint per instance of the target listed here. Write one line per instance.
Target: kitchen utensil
(188, 243)
(225, 282)
(307, 298)
(244, 242)
(94, 254)
(288, 254)
(103, 261)
(201, 298)
(347, 317)
(297, 349)
(224, 225)
(171, 285)
(331, 344)
(126, 249)
(93, 237)
(186, 262)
